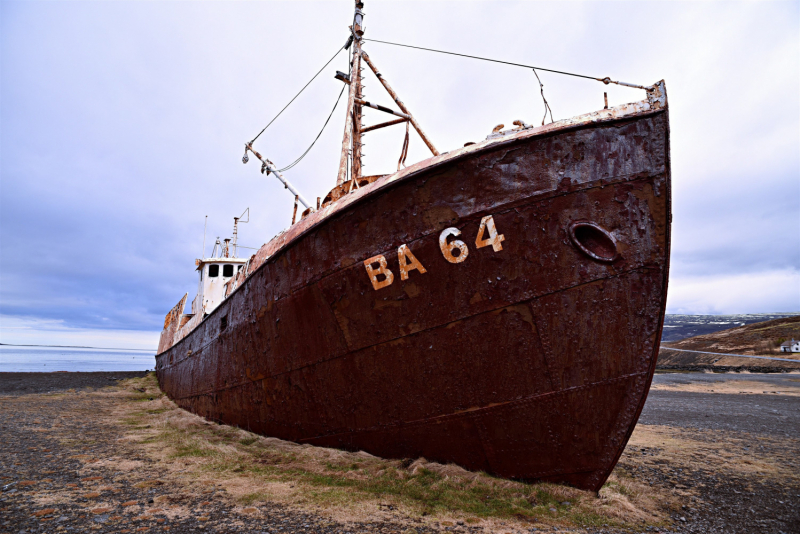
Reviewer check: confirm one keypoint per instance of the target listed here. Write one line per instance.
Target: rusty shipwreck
(498, 306)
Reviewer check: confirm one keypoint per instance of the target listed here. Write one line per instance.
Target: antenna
(236, 221)
(203, 255)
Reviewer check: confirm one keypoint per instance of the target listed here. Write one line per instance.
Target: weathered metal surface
(353, 114)
(382, 125)
(294, 212)
(348, 187)
(172, 323)
(383, 108)
(357, 120)
(454, 310)
(269, 168)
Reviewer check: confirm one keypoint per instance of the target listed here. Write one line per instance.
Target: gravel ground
(758, 415)
(53, 484)
(748, 427)
(54, 478)
(26, 383)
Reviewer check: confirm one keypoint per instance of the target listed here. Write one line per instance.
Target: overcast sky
(123, 123)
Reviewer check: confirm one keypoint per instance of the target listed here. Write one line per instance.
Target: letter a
(373, 273)
(408, 262)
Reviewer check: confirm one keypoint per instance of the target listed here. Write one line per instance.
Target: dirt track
(729, 459)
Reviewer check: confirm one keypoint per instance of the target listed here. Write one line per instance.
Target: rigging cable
(605, 80)
(546, 105)
(295, 162)
(298, 94)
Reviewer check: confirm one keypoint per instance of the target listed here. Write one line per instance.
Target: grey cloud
(123, 126)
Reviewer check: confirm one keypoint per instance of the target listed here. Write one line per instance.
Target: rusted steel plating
(171, 325)
(481, 332)
(508, 323)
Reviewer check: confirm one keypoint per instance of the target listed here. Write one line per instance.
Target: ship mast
(351, 141)
(351, 155)
(357, 108)
(353, 129)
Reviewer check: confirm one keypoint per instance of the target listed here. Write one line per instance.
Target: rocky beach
(711, 453)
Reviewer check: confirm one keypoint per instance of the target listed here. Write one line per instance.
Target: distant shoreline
(74, 347)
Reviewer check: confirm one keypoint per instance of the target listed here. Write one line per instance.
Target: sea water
(15, 359)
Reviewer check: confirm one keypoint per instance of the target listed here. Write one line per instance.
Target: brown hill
(759, 339)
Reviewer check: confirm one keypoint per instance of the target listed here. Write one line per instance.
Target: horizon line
(72, 347)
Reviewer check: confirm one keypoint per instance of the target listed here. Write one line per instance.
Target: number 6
(449, 248)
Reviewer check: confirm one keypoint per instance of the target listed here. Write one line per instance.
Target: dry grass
(348, 486)
(726, 454)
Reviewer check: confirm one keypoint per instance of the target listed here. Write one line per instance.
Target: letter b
(373, 273)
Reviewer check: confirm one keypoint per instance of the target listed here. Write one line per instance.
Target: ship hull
(530, 360)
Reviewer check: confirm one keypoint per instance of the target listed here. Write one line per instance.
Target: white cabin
(215, 272)
(790, 346)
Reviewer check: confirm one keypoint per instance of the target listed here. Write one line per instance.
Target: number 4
(494, 239)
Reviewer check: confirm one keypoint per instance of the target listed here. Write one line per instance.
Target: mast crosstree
(350, 172)
(352, 144)
(353, 128)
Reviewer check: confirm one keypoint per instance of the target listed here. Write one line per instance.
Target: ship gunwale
(620, 114)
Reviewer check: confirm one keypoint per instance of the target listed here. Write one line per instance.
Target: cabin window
(227, 270)
(213, 271)
(223, 322)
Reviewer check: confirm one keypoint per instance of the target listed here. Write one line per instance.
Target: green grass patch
(189, 450)
(425, 491)
(326, 478)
